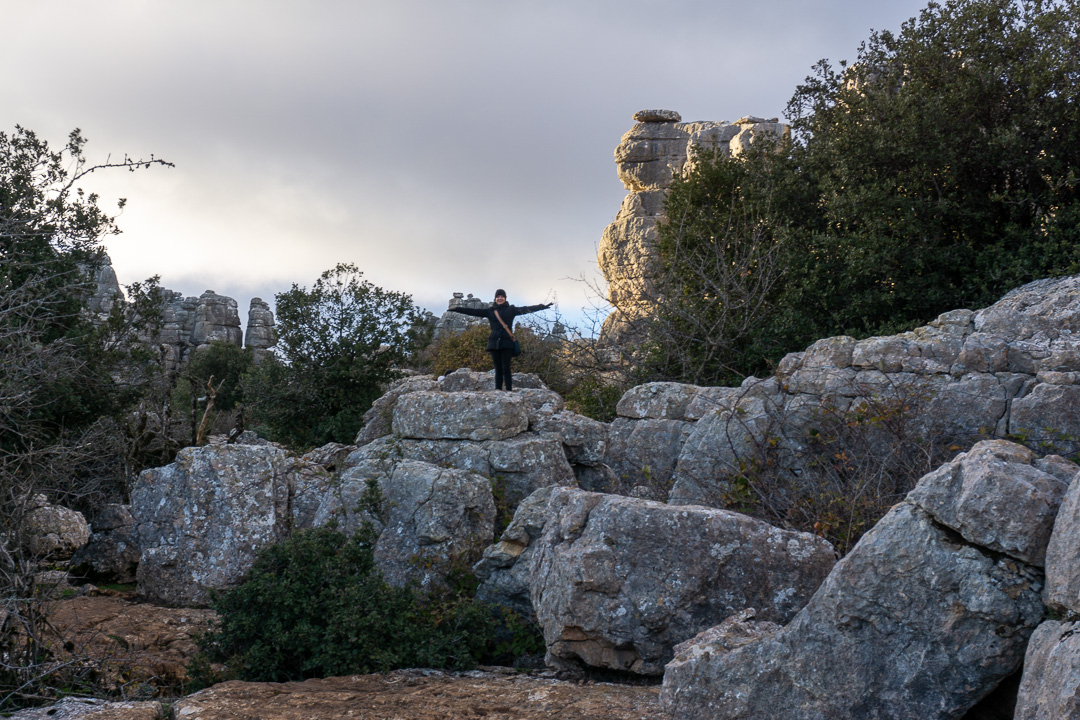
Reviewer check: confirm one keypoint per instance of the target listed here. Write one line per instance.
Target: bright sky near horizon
(440, 146)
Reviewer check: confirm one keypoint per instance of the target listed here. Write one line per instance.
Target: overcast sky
(439, 145)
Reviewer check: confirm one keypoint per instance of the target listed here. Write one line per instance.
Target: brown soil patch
(425, 695)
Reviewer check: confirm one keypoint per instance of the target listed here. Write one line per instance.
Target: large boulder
(516, 466)
(1050, 688)
(926, 620)
(1063, 555)
(1000, 496)
(504, 569)
(202, 519)
(616, 582)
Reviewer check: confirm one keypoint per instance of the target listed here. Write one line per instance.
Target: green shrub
(316, 606)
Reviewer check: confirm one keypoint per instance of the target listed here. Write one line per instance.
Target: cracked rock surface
(616, 581)
(920, 620)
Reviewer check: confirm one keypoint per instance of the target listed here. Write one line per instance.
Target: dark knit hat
(499, 292)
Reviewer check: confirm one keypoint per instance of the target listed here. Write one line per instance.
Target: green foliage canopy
(338, 344)
(316, 606)
(937, 172)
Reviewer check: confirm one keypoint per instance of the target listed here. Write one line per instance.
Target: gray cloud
(440, 146)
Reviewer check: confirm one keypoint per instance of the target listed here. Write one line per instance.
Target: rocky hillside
(622, 541)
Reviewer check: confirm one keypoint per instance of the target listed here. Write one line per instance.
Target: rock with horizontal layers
(583, 439)
(1012, 369)
(617, 582)
(202, 519)
(1050, 687)
(460, 415)
(516, 466)
(925, 623)
(649, 157)
(378, 420)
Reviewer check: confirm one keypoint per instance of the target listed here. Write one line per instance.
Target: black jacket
(499, 339)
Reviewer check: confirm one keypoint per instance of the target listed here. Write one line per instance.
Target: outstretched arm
(475, 312)
(534, 308)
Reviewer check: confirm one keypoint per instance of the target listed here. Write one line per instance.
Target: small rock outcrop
(616, 582)
(112, 554)
(650, 156)
(451, 323)
(930, 610)
(53, 532)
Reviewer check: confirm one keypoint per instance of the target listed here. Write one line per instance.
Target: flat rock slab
(131, 642)
(460, 415)
(423, 695)
(90, 709)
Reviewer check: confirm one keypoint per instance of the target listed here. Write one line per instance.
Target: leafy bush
(938, 171)
(540, 354)
(223, 365)
(339, 343)
(850, 466)
(316, 606)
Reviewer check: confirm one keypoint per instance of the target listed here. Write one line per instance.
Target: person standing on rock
(501, 343)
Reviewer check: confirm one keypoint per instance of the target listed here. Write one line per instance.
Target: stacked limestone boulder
(649, 157)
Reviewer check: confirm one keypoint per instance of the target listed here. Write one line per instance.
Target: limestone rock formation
(434, 518)
(378, 420)
(925, 619)
(504, 569)
(112, 554)
(189, 323)
(616, 582)
(106, 291)
(651, 154)
(202, 519)
(53, 531)
(1010, 369)
(260, 335)
(451, 323)
(1050, 688)
(517, 465)
(1063, 555)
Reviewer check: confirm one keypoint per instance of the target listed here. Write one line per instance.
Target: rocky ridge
(940, 602)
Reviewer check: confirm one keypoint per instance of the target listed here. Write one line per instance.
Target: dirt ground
(143, 649)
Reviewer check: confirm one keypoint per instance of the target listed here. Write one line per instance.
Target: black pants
(502, 368)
